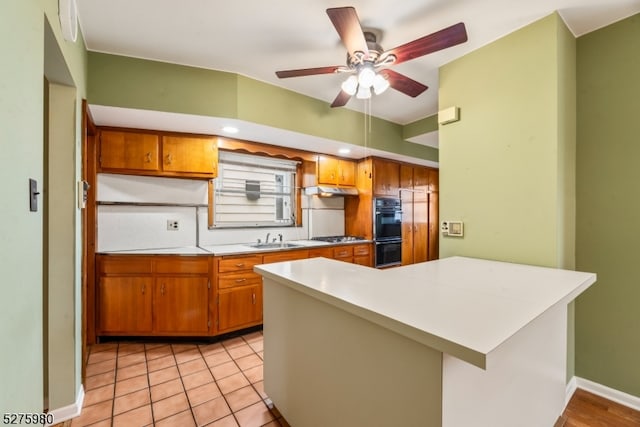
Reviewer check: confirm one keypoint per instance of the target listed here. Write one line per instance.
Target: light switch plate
(452, 228)
(33, 195)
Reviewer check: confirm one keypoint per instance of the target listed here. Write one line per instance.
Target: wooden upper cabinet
(157, 154)
(386, 178)
(191, 155)
(334, 171)
(129, 150)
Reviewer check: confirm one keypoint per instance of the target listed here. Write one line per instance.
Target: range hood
(328, 191)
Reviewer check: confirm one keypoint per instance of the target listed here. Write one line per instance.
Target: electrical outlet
(173, 224)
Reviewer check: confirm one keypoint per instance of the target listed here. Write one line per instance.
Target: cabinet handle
(240, 280)
(169, 158)
(253, 298)
(142, 289)
(162, 289)
(240, 265)
(148, 157)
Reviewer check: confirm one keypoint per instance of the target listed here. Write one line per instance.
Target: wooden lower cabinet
(358, 254)
(149, 295)
(181, 305)
(363, 255)
(239, 298)
(124, 305)
(239, 307)
(158, 295)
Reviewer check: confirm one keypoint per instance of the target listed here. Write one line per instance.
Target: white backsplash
(127, 227)
(325, 215)
(225, 236)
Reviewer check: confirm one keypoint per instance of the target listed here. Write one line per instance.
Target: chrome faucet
(267, 239)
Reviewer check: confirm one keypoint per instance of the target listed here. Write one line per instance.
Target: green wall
(501, 165)
(608, 175)
(507, 168)
(29, 55)
(136, 83)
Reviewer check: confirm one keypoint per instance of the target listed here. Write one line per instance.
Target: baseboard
(67, 412)
(571, 388)
(603, 391)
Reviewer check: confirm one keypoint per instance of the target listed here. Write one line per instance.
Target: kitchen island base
(326, 367)
(454, 343)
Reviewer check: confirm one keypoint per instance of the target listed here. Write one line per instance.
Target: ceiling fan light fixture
(363, 92)
(380, 84)
(366, 76)
(350, 85)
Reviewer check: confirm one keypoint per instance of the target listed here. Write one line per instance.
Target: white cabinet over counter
(453, 342)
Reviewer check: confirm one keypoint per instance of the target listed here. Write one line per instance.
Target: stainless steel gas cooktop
(338, 239)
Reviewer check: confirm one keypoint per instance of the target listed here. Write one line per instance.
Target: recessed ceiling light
(344, 151)
(230, 129)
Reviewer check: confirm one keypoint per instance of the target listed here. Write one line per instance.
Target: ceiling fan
(368, 63)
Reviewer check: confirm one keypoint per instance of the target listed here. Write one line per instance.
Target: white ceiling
(256, 38)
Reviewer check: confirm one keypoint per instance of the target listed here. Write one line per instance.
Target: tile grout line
(201, 356)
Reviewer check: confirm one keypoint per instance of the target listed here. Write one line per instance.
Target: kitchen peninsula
(454, 342)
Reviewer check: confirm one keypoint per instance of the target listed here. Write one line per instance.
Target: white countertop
(465, 307)
(182, 250)
(242, 248)
(228, 249)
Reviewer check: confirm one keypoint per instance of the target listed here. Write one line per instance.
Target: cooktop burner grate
(337, 239)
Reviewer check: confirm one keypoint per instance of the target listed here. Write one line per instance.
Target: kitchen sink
(278, 245)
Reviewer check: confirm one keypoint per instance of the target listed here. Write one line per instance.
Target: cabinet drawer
(238, 263)
(243, 278)
(185, 265)
(359, 250)
(285, 256)
(321, 252)
(342, 252)
(124, 265)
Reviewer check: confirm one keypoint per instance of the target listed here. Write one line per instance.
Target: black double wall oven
(387, 231)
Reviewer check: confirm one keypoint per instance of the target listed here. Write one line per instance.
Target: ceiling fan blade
(308, 71)
(439, 40)
(347, 24)
(341, 100)
(402, 83)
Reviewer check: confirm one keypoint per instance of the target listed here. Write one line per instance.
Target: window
(254, 191)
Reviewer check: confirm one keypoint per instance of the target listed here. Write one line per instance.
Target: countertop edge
(441, 344)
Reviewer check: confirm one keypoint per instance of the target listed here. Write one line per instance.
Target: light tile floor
(141, 384)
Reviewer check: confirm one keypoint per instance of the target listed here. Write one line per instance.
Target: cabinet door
(124, 305)
(362, 255)
(285, 256)
(406, 196)
(190, 155)
(327, 170)
(181, 305)
(321, 252)
(346, 173)
(386, 178)
(407, 232)
(420, 230)
(420, 183)
(129, 150)
(434, 228)
(239, 307)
